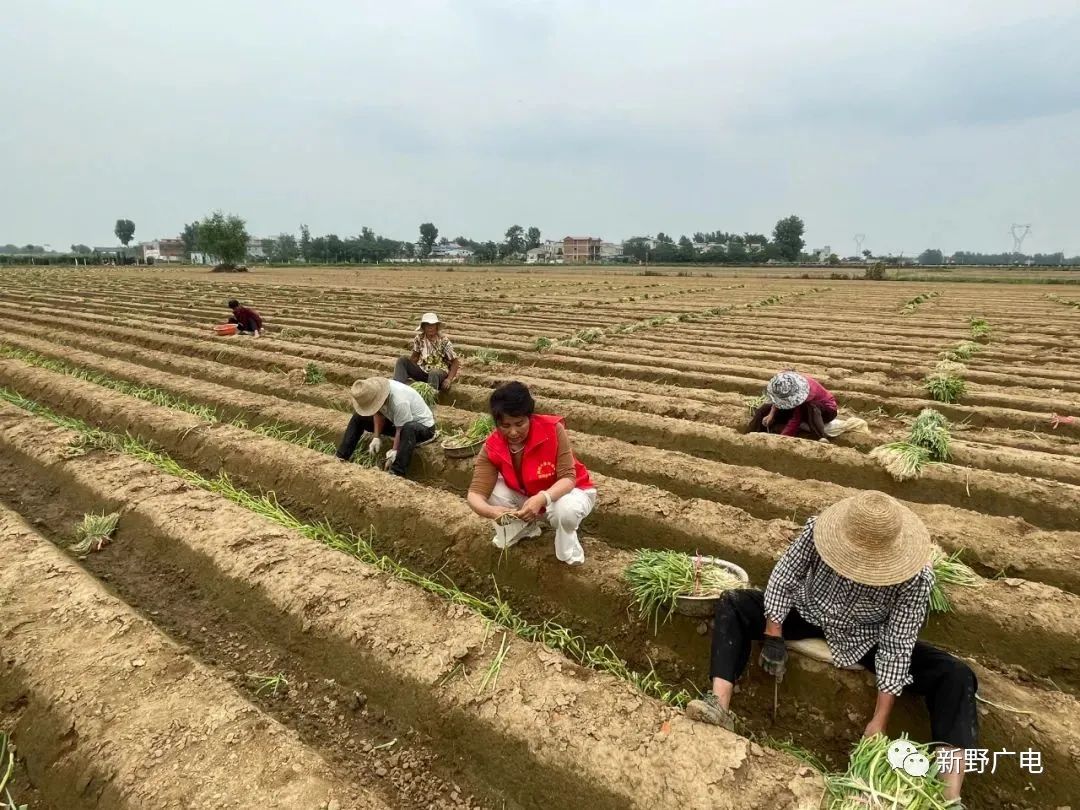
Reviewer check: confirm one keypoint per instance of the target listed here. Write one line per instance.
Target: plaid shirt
(435, 355)
(853, 617)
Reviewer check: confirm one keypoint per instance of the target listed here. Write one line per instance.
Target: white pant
(564, 515)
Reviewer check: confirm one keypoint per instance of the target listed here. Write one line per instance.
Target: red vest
(538, 470)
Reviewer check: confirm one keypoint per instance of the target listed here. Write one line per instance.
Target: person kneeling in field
(799, 401)
(527, 469)
(247, 320)
(432, 360)
(384, 407)
(859, 575)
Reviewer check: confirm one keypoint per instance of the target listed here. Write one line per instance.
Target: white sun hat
(428, 317)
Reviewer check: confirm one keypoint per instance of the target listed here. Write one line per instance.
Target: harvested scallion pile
(931, 431)
(872, 782)
(902, 460)
(657, 577)
(948, 570)
(479, 429)
(426, 392)
(94, 533)
(927, 441)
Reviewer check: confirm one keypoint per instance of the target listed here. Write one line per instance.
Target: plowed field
(271, 628)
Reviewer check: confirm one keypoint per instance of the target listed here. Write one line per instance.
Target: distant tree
(80, 248)
(867, 254)
(788, 237)
(664, 238)
(486, 252)
(931, 256)
(636, 248)
(284, 248)
(532, 238)
(833, 259)
(224, 237)
(408, 249)
(687, 252)
(305, 243)
(736, 250)
(428, 234)
(124, 230)
(700, 238)
(515, 240)
(190, 237)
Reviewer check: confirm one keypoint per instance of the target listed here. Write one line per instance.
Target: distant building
(450, 253)
(609, 251)
(547, 253)
(255, 248)
(581, 249)
(162, 250)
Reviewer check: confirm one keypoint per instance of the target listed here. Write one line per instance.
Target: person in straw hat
(384, 407)
(432, 360)
(797, 402)
(859, 575)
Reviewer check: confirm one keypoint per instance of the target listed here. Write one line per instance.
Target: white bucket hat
(788, 390)
(428, 317)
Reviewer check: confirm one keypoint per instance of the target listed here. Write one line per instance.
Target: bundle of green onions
(94, 533)
(426, 392)
(948, 570)
(872, 782)
(657, 577)
(927, 441)
(479, 429)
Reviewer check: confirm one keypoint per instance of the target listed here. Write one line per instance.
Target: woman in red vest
(527, 469)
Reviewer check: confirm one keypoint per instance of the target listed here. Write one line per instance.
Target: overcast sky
(933, 123)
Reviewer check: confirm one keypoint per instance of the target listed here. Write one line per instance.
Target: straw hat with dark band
(369, 395)
(871, 539)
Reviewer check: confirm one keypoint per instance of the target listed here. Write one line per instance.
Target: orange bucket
(225, 328)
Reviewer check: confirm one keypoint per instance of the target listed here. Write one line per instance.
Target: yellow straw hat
(369, 395)
(872, 539)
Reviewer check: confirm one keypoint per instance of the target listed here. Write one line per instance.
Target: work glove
(774, 656)
(375, 446)
(390, 456)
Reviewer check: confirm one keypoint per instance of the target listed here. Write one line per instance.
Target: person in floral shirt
(432, 360)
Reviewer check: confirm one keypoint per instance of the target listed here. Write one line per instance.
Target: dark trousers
(945, 682)
(412, 434)
(242, 327)
(816, 418)
(405, 369)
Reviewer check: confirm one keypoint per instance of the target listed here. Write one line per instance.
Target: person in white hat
(859, 575)
(385, 407)
(432, 360)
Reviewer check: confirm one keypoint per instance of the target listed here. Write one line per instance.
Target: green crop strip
(158, 396)
(493, 609)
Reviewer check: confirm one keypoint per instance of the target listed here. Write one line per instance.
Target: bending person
(527, 469)
(860, 577)
(247, 320)
(798, 401)
(384, 407)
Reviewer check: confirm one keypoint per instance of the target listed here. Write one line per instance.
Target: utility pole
(859, 239)
(1019, 234)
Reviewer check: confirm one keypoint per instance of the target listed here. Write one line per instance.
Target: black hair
(512, 399)
(233, 303)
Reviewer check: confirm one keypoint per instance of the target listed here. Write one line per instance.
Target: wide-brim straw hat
(428, 317)
(872, 539)
(369, 395)
(788, 390)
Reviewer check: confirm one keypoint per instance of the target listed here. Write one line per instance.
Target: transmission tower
(1019, 234)
(859, 239)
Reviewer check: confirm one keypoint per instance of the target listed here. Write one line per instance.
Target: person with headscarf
(797, 402)
(433, 360)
